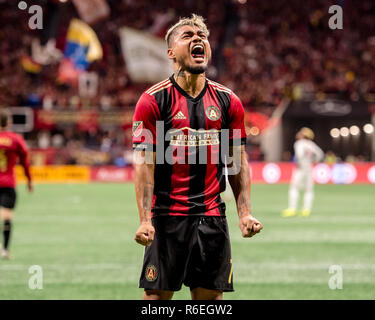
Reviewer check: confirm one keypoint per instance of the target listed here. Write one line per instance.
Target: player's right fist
(249, 226)
(145, 234)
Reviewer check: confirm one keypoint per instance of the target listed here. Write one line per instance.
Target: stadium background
(289, 69)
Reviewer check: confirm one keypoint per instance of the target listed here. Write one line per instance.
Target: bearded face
(190, 49)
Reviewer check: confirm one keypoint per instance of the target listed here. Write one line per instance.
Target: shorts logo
(151, 273)
(137, 128)
(213, 113)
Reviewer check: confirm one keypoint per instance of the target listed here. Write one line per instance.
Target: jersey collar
(183, 92)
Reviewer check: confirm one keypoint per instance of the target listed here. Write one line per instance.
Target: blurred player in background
(307, 153)
(182, 215)
(12, 146)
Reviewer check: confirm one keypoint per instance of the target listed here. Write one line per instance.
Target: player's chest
(204, 114)
(194, 123)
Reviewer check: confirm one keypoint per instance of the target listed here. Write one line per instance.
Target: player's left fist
(249, 226)
(145, 234)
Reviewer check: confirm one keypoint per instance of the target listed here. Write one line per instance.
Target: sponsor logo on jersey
(151, 273)
(213, 113)
(184, 137)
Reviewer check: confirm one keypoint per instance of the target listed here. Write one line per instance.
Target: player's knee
(206, 294)
(157, 295)
(293, 191)
(6, 214)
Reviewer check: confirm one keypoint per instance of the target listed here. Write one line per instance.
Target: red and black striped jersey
(12, 146)
(187, 135)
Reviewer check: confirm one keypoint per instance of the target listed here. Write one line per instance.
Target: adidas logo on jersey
(179, 116)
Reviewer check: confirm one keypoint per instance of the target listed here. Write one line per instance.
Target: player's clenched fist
(249, 226)
(145, 234)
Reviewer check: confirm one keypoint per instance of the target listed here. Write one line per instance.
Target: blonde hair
(307, 133)
(194, 20)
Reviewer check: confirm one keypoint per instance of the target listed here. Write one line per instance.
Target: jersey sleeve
(298, 150)
(144, 123)
(236, 120)
(23, 154)
(319, 154)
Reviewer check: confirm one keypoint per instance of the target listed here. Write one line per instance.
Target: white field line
(267, 218)
(238, 266)
(321, 219)
(245, 273)
(99, 266)
(302, 266)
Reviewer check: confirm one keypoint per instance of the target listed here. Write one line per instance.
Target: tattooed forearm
(144, 188)
(147, 196)
(240, 184)
(243, 204)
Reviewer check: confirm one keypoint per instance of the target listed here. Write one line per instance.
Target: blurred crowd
(115, 88)
(263, 50)
(286, 48)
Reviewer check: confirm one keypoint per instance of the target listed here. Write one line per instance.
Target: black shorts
(8, 198)
(194, 251)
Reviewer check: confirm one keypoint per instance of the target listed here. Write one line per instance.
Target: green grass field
(82, 237)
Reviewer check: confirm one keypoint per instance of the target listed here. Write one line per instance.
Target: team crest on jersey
(213, 113)
(151, 273)
(137, 128)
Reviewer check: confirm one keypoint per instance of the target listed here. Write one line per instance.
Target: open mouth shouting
(197, 52)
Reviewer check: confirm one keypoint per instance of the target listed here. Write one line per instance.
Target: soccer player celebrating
(306, 154)
(12, 146)
(182, 216)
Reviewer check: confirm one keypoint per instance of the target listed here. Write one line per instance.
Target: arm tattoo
(243, 204)
(147, 196)
(240, 184)
(144, 188)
